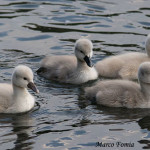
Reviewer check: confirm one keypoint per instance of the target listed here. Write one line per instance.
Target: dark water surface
(62, 118)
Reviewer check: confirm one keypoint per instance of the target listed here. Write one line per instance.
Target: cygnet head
(23, 78)
(147, 45)
(83, 51)
(144, 72)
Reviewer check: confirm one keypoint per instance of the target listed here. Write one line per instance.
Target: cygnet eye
(25, 78)
(81, 52)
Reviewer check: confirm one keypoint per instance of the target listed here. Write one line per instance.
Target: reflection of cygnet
(123, 93)
(22, 128)
(14, 98)
(125, 65)
(71, 69)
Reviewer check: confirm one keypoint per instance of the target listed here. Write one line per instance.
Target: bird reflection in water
(22, 130)
(144, 123)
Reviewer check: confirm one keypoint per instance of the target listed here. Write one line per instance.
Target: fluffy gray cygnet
(15, 98)
(123, 93)
(70, 69)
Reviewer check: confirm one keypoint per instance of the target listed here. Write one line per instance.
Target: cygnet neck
(147, 47)
(19, 91)
(81, 65)
(148, 51)
(145, 88)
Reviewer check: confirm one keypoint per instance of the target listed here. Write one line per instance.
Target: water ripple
(62, 30)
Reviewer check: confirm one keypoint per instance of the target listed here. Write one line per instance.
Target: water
(62, 119)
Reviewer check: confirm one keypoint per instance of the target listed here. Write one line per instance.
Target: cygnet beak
(32, 86)
(88, 61)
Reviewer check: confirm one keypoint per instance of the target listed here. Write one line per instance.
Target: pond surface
(62, 119)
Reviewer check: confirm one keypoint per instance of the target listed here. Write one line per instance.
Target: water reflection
(144, 123)
(21, 132)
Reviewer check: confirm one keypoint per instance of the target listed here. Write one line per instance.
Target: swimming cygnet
(70, 69)
(123, 66)
(123, 93)
(14, 98)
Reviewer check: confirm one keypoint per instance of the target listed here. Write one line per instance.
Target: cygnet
(15, 98)
(70, 69)
(123, 66)
(123, 93)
